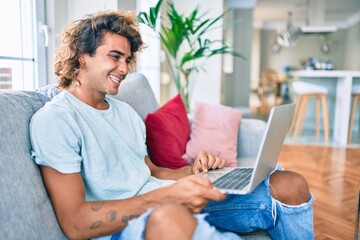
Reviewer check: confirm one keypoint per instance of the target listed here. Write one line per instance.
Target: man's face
(104, 71)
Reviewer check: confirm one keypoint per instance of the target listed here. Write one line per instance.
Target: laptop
(243, 180)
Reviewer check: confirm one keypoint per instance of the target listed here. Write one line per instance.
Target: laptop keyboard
(238, 178)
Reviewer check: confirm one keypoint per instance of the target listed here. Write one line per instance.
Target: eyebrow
(118, 52)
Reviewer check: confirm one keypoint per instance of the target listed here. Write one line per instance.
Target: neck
(92, 98)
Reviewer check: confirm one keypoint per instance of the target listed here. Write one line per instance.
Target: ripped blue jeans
(246, 213)
(241, 214)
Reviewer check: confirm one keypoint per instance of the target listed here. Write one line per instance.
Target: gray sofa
(25, 209)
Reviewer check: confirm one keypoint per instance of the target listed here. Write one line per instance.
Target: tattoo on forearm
(111, 215)
(97, 205)
(95, 225)
(125, 219)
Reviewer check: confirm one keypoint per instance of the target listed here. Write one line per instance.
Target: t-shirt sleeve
(56, 140)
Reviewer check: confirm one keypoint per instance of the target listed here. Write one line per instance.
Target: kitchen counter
(344, 83)
(318, 73)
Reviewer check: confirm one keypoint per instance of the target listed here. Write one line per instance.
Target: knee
(289, 187)
(170, 222)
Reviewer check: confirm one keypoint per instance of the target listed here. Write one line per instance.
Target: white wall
(148, 61)
(236, 86)
(255, 59)
(352, 51)
(77, 9)
(56, 20)
(207, 85)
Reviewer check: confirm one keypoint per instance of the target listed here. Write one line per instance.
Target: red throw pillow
(167, 133)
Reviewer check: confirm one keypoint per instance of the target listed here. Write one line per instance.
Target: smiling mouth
(116, 79)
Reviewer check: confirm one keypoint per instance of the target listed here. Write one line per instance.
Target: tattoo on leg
(97, 205)
(95, 225)
(125, 219)
(111, 216)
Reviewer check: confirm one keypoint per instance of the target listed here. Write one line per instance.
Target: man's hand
(192, 192)
(206, 161)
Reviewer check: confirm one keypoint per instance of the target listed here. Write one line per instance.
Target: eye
(128, 60)
(115, 57)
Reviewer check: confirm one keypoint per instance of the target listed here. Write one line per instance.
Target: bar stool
(305, 91)
(355, 97)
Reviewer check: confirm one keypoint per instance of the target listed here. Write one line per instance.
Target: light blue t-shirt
(106, 146)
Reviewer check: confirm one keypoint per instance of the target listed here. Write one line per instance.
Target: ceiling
(274, 13)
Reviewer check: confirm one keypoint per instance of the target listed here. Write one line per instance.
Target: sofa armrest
(249, 137)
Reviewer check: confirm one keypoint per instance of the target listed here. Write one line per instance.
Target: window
(22, 44)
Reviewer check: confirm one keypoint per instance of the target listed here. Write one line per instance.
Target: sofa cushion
(136, 91)
(249, 137)
(167, 132)
(49, 90)
(214, 129)
(25, 209)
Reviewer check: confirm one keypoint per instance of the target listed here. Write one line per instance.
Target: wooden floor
(333, 175)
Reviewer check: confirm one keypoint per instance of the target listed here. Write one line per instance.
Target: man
(92, 153)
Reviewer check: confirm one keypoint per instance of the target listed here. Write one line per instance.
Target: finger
(214, 194)
(199, 188)
(216, 163)
(203, 181)
(195, 169)
(198, 164)
(203, 159)
(196, 205)
(207, 190)
(222, 164)
(211, 160)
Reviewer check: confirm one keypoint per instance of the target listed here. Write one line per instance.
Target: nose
(123, 67)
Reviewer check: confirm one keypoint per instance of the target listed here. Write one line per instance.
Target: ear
(82, 61)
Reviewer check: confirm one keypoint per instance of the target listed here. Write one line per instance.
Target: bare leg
(170, 222)
(289, 187)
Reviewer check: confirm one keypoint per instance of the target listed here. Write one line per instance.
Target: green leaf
(186, 33)
(142, 18)
(206, 28)
(153, 16)
(158, 7)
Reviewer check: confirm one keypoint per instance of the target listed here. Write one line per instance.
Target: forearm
(165, 173)
(101, 218)
(83, 220)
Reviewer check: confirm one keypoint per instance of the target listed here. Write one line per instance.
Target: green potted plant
(183, 39)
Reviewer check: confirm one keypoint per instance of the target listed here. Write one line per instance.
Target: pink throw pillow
(214, 129)
(167, 133)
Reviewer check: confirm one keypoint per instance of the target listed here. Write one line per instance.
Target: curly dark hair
(84, 36)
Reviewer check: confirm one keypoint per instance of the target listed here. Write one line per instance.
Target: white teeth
(115, 79)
